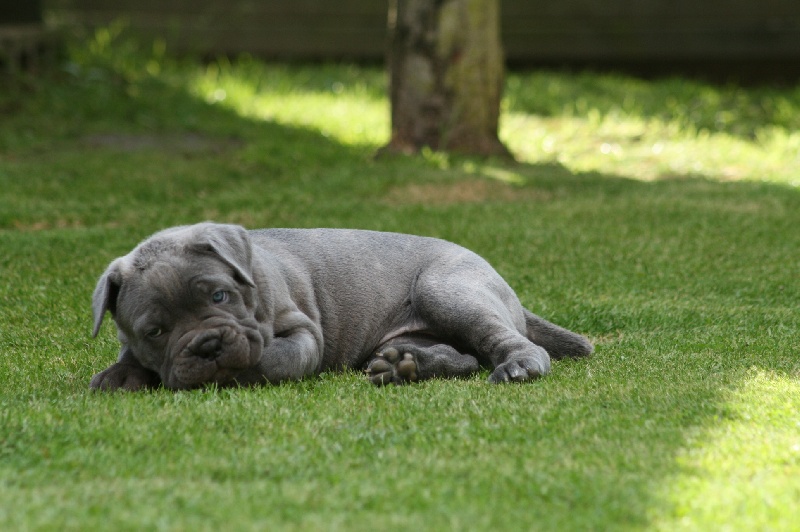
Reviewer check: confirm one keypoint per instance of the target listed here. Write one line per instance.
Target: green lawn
(660, 218)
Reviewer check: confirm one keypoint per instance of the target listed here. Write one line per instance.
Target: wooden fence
(533, 30)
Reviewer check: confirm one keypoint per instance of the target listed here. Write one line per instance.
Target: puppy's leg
(410, 360)
(468, 301)
(290, 357)
(294, 352)
(126, 374)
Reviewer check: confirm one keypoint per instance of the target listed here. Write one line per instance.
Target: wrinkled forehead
(164, 282)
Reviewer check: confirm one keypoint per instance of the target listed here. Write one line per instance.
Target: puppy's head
(184, 303)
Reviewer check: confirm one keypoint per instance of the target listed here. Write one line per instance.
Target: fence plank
(532, 30)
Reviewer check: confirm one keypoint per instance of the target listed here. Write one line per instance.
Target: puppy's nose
(211, 348)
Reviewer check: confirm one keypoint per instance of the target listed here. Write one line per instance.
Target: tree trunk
(446, 76)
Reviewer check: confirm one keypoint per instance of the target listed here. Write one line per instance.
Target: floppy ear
(105, 294)
(231, 243)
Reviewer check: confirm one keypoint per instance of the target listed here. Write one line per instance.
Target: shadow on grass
(99, 146)
(678, 282)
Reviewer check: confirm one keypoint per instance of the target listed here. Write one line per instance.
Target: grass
(657, 217)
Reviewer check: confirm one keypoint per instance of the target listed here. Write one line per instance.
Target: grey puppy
(213, 303)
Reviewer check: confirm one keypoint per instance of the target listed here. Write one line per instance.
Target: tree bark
(446, 76)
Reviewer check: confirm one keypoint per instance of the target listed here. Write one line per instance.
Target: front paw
(126, 377)
(390, 366)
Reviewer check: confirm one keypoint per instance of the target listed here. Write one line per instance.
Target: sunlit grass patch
(654, 129)
(651, 149)
(738, 467)
(346, 103)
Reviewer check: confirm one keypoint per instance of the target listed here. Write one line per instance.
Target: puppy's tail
(557, 341)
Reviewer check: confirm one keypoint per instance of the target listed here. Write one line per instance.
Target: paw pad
(390, 366)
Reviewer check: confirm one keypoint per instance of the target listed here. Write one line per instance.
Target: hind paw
(392, 366)
(521, 369)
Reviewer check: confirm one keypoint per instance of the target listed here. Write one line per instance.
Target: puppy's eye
(220, 296)
(154, 333)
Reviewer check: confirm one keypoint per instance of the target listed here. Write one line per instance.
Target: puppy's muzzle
(214, 353)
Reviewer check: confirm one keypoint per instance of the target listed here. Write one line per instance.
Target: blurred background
(742, 40)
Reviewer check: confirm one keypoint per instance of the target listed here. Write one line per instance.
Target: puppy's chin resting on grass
(216, 304)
